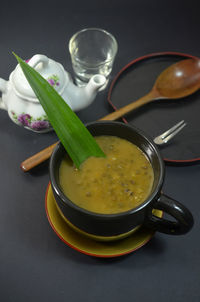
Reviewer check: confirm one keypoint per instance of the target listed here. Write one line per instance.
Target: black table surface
(35, 265)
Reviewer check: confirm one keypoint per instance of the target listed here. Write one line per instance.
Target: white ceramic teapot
(25, 109)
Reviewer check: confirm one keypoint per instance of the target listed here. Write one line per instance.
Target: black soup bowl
(108, 226)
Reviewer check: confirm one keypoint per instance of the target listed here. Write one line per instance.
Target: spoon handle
(44, 154)
(130, 107)
(37, 158)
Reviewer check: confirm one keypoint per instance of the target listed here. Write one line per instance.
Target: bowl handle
(183, 217)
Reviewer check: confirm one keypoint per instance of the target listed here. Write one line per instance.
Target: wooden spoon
(177, 81)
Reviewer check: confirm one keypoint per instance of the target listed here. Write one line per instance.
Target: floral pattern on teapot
(28, 121)
(53, 80)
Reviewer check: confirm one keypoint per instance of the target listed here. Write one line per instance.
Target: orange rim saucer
(88, 246)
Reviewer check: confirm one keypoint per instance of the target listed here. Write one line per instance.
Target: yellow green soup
(117, 183)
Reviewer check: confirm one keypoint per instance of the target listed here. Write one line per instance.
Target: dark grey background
(35, 265)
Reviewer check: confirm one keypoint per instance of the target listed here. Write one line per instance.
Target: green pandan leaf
(75, 137)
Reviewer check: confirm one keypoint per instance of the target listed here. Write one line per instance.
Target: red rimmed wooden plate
(135, 80)
(88, 246)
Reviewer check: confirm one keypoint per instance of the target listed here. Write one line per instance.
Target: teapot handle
(3, 88)
(36, 59)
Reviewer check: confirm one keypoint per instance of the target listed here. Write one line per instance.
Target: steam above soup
(121, 181)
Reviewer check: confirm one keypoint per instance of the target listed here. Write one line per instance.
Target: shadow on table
(147, 254)
(40, 170)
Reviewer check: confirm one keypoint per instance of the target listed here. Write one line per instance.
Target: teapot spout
(84, 96)
(95, 83)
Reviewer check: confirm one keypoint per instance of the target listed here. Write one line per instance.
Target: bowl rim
(156, 192)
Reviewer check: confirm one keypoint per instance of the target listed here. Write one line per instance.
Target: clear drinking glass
(92, 51)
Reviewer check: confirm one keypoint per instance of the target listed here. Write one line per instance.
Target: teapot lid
(52, 71)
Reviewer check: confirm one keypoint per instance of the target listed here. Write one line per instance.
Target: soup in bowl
(109, 198)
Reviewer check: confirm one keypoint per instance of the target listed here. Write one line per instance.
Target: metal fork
(166, 136)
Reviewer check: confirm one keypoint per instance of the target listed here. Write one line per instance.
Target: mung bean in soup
(117, 183)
